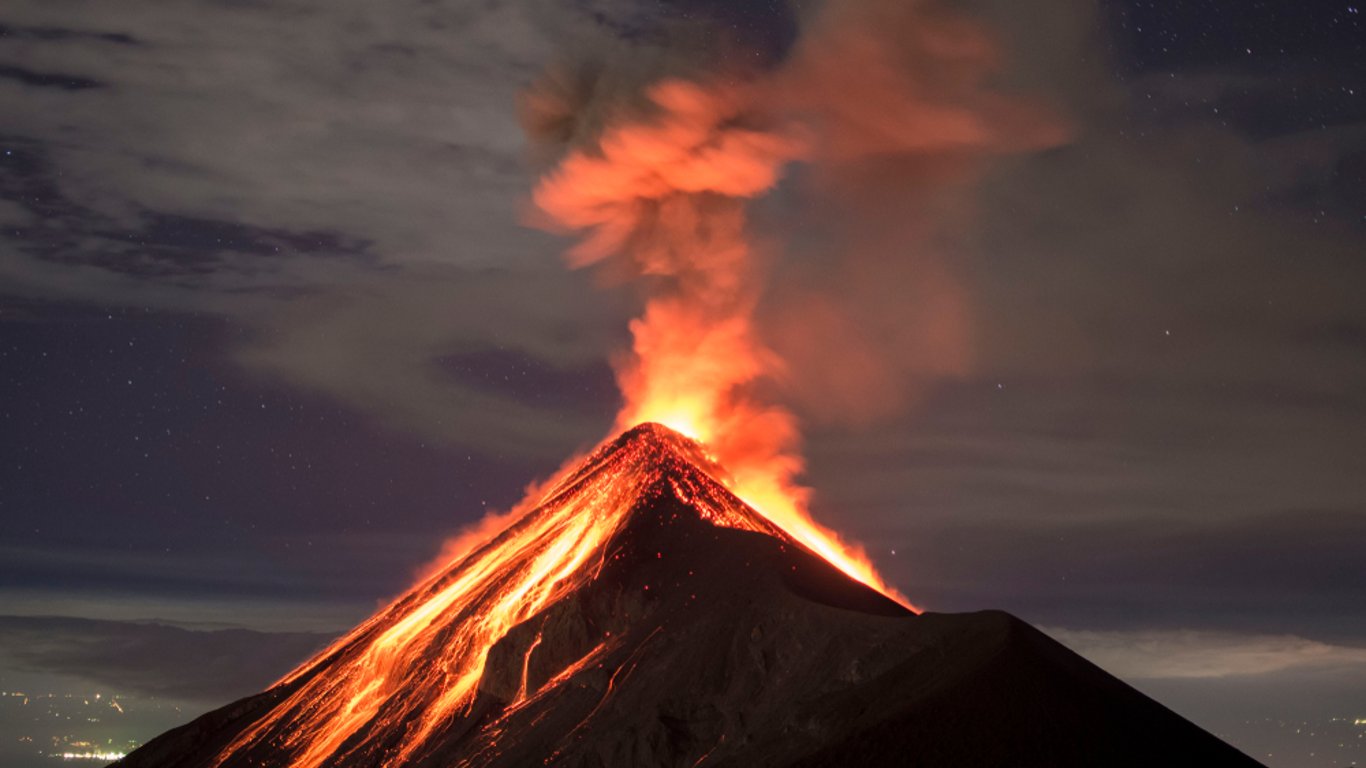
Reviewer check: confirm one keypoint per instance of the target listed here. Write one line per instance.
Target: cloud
(354, 200)
(154, 659)
(378, 346)
(308, 189)
(1165, 314)
(396, 124)
(1203, 654)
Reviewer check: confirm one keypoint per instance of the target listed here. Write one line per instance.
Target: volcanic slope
(642, 615)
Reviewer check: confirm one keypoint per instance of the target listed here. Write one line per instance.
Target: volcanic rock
(697, 634)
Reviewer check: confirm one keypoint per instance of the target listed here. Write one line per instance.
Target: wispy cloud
(1160, 654)
(154, 659)
(354, 200)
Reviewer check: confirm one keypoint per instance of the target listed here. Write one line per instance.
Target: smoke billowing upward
(899, 100)
(890, 108)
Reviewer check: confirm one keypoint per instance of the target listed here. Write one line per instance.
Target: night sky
(272, 326)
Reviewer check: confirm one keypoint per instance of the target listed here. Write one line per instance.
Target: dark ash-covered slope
(699, 645)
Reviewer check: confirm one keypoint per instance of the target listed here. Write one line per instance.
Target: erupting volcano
(668, 601)
(639, 613)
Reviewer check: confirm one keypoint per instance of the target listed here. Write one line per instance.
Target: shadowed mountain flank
(642, 615)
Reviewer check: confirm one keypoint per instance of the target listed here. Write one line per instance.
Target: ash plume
(889, 110)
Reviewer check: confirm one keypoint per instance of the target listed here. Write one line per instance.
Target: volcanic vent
(641, 614)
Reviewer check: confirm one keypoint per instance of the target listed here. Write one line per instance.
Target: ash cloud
(876, 310)
(891, 113)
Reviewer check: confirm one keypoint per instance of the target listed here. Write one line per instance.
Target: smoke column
(657, 184)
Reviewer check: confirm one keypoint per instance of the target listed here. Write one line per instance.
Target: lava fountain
(665, 195)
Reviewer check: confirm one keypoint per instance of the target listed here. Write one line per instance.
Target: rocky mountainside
(642, 615)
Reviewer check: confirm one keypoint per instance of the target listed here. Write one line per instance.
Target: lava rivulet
(415, 666)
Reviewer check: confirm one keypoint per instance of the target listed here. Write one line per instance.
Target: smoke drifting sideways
(888, 109)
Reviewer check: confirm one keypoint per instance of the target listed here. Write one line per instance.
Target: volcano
(642, 615)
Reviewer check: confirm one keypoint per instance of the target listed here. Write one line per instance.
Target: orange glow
(690, 377)
(416, 665)
(666, 195)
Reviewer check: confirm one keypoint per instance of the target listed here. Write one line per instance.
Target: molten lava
(414, 668)
(641, 614)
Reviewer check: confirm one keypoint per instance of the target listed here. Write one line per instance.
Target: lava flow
(398, 680)
(642, 614)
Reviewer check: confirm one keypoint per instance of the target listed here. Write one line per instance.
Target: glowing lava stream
(416, 665)
(781, 503)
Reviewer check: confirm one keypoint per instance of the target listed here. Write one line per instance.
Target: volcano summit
(643, 615)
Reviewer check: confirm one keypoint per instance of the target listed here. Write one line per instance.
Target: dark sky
(271, 328)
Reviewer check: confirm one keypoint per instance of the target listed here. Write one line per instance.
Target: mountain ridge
(692, 634)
